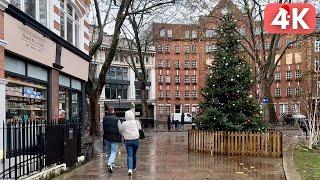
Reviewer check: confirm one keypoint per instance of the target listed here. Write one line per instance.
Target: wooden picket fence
(236, 143)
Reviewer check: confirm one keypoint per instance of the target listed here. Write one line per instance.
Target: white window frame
(167, 63)
(168, 94)
(160, 95)
(187, 94)
(167, 48)
(187, 64)
(209, 33)
(277, 76)
(186, 108)
(284, 108)
(277, 92)
(177, 64)
(161, 108)
(193, 48)
(186, 49)
(160, 79)
(168, 108)
(160, 48)
(177, 48)
(186, 79)
(194, 34)
(160, 63)
(317, 64)
(289, 91)
(186, 34)
(74, 23)
(298, 74)
(298, 91)
(162, 33)
(194, 79)
(177, 94)
(177, 79)
(317, 45)
(169, 33)
(289, 75)
(37, 8)
(194, 64)
(194, 94)
(167, 79)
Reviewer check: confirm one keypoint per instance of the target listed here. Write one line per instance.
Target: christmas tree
(228, 101)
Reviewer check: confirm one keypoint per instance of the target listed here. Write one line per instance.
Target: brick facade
(299, 58)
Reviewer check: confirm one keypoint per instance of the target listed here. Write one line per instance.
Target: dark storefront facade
(41, 73)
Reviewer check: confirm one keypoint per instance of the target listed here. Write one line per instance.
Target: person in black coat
(169, 122)
(111, 136)
(182, 121)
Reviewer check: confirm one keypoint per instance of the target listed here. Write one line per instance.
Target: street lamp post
(119, 97)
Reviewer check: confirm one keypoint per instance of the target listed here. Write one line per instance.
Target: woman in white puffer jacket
(130, 132)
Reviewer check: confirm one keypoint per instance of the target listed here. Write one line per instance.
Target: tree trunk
(265, 92)
(272, 113)
(94, 113)
(144, 100)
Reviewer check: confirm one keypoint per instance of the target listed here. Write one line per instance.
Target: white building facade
(122, 86)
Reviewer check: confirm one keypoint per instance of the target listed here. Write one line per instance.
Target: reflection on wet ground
(165, 156)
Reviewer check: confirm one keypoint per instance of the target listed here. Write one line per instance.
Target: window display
(26, 100)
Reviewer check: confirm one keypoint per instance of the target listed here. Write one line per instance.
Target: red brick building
(184, 51)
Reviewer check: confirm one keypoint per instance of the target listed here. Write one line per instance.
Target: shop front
(45, 74)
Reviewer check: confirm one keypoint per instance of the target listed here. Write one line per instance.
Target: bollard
(193, 126)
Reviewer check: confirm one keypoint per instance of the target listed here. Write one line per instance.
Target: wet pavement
(165, 156)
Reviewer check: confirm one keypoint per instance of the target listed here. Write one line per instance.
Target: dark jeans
(132, 148)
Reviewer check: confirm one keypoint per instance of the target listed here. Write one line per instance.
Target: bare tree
(95, 85)
(140, 46)
(310, 106)
(264, 58)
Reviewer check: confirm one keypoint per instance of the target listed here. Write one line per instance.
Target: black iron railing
(31, 146)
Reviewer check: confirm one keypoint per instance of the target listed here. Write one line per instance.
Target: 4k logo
(290, 18)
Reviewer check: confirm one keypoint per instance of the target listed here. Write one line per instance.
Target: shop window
(75, 106)
(26, 100)
(14, 65)
(69, 23)
(76, 84)
(37, 72)
(37, 9)
(64, 100)
(64, 81)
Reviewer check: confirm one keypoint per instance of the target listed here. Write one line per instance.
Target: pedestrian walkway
(165, 156)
